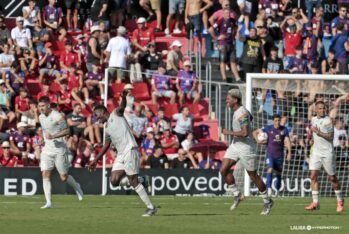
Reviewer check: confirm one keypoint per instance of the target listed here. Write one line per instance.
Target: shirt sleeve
(244, 119)
(176, 116)
(328, 126)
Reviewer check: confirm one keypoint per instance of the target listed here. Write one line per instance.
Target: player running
(242, 148)
(119, 133)
(323, 156)
(277, 139)
(55, 152)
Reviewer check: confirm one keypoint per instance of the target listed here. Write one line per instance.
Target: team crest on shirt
(282, 133)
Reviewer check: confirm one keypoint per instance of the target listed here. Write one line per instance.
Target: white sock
(338, 195)
(46, 184)
(315, 195)
(144, 196)
(71, 181)
(234, 189)
(265, 196)
(270, 191)
(124, 181)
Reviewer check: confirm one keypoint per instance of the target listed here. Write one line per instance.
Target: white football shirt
(119, 48)
(242, 117)
(119, 132)
(321, 145)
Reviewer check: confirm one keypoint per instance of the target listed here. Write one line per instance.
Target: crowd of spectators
(66, 47)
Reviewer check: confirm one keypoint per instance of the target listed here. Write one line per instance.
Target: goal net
(293, 97)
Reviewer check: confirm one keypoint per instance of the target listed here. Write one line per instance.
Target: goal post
(293, 97)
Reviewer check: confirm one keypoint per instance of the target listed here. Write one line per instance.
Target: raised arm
(121, 109)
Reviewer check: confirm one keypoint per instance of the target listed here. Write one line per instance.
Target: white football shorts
(128, 162)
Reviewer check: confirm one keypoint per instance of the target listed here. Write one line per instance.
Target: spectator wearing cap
(7, 159)
(117, 53)
(141, 37)
(14, 78)
(194, 11)
(31, 13)
(39, 35)
(161, 86)
(291, 30)
(6, 59)
(225, 29)
(130, 99)
(153, 5)
(148, 145)
(184, 123)
(52, 15)
(79, 128)
(94, 55)
(175, 7)
(21, 102)
(340, 19)
(169, 143)
(158, 159)
(68, 58)
(311, 45)
(20, 143)
(48, 63)
(5, 36)
(187, 84)
(174, 57)
(152, 60)
(21, 36)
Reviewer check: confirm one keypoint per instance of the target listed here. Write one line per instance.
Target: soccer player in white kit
(323, 156)
(126, 166)
(55, 152)
(242, 149)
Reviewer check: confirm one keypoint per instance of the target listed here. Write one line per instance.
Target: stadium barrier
(28, 182)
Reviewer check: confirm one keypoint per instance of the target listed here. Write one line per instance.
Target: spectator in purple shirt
(93, 83)
(223, 31)
(14, 78)
(187, 84)
(338, 42)
(52, 15)
(340, 19)
(161, 85)
(310, 45)
(48, 63)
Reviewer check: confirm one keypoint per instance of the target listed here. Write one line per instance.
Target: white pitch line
(8, 5)
(14, 9)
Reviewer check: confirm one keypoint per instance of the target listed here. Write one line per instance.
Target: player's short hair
(45, 99)
(320, 103)
(276, 116)
(100, 108)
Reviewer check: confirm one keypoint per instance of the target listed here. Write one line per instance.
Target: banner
(28, 181)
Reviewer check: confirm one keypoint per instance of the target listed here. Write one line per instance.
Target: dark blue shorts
(275, 162)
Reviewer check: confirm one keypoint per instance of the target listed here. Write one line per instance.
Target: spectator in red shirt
(21, 102)
(7, 159)
(47, 92)
(66, 97)
(169, 143)
(292, 37)
(76, 83)
(68, 57)
(20, 143)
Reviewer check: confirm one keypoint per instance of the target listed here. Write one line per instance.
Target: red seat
(153, 108)
(170, 110)
(195, 111)
(54, 87)
(116, 89)
(141, 91)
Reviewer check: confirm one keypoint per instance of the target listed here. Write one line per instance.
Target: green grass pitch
(122, 214)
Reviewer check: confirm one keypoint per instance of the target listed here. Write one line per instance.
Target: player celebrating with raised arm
(55, 152)
(276, 140)
(242, 148)
(119, 133)
(323, 156)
